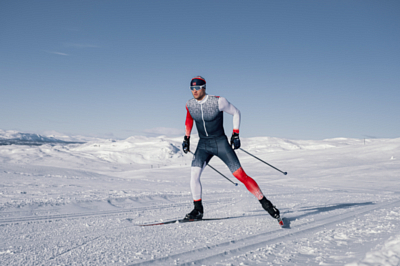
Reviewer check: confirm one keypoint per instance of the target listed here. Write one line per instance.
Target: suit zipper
(202, 116)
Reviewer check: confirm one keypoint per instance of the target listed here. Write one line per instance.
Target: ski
(184, 221)
(179, 221)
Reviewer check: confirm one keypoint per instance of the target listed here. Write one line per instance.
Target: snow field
(82, 204)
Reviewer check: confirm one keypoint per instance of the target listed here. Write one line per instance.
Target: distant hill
(12, 137)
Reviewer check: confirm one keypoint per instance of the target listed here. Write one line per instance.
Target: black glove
(235, 141)
(186, 144)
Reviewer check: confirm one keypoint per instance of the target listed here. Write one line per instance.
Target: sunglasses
(197, 87)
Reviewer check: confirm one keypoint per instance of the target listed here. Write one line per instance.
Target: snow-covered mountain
(10, 137)
(137, 150)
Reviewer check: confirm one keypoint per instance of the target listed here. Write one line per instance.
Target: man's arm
(188, 130)
(188, 123)
(229, 108)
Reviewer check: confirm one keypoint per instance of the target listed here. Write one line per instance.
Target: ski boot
(271, 209)
(196, 213)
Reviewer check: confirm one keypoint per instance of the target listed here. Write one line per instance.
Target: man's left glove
(235, 141)
(186, 144)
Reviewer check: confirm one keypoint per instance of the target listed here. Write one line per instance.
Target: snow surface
(82, 204)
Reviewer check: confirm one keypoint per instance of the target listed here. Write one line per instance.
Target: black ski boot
(197, 213)
(271, 209)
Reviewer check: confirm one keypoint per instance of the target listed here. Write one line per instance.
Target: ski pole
(285, 173)
(219, 172)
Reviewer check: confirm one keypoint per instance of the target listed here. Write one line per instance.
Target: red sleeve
(188, 123)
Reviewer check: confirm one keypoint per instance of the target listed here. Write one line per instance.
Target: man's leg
(199, 162)
(195, 184)
(249, 182)
(229, 157)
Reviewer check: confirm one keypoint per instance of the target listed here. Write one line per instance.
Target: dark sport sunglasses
(197, 87)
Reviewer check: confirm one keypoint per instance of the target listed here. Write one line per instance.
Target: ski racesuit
(208, 115)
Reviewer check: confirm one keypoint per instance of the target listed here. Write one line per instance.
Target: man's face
(199, 94)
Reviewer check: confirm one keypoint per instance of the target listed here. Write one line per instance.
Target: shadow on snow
(316, 210)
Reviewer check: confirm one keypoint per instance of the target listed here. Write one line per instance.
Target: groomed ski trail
(216, 253)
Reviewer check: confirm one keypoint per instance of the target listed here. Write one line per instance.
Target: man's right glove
(186, 144)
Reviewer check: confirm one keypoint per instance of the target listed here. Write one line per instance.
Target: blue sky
(295, 69)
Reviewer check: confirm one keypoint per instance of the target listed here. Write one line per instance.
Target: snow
(82, 203)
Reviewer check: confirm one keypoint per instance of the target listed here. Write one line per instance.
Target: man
(207, 111)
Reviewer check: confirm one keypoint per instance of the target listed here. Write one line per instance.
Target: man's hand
(235, 141)
(186, 144)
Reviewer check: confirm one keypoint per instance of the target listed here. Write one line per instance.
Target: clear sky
(295, 69)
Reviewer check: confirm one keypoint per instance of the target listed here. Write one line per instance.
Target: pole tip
(236, 184)
(285, 173)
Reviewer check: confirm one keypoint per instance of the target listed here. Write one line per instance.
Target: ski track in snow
(83, 204)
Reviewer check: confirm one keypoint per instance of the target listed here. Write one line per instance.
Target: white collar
(203, 101)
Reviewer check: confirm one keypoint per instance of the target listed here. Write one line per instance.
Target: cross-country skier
(207, 111)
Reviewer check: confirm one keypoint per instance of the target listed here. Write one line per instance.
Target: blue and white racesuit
(208, 115)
